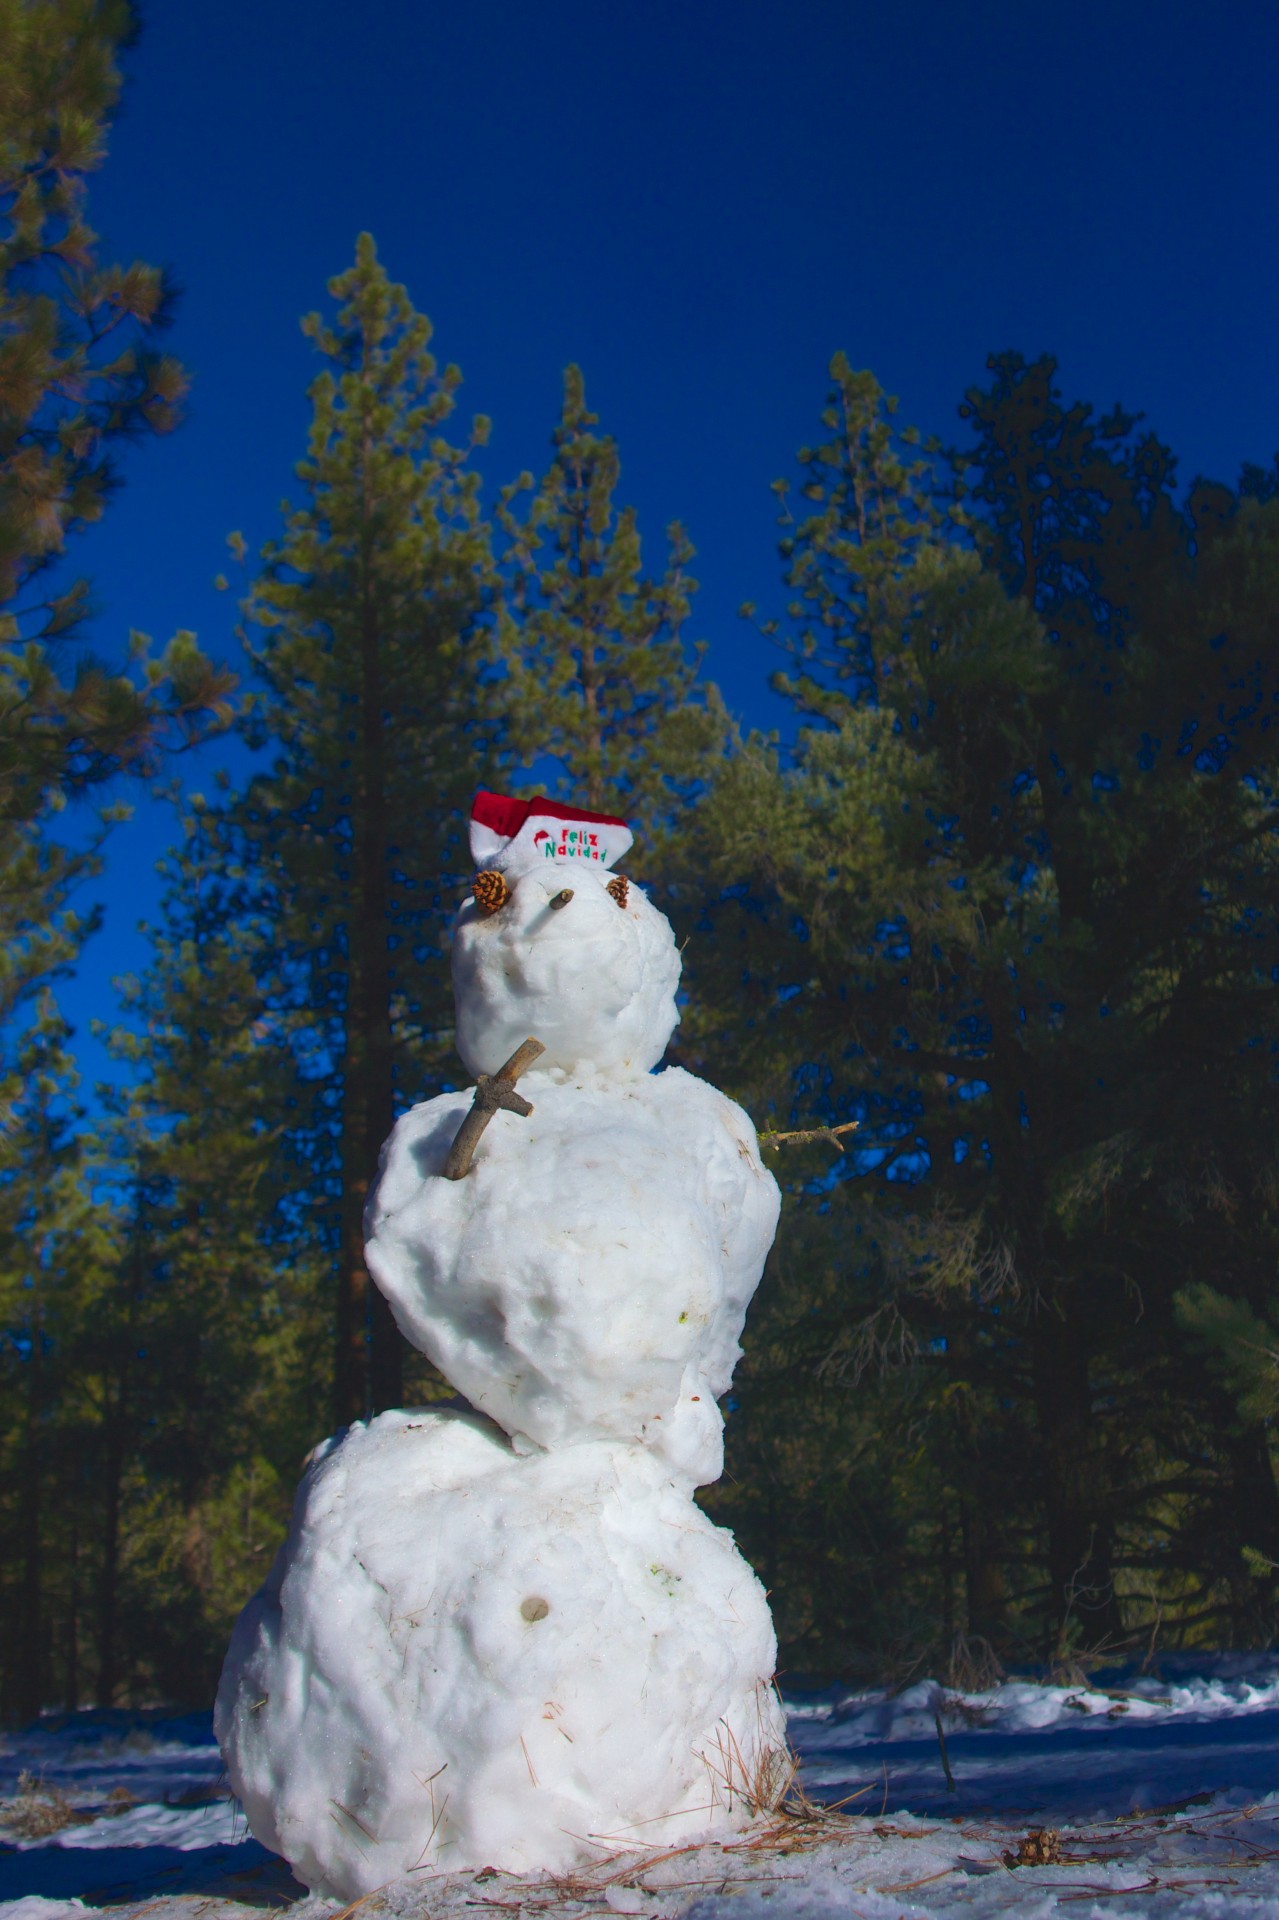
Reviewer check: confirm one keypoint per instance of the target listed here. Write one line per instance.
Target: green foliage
(870, 504)
(1011, 904)
(229, 1293)
(364, 626)
(164, 1327)
(596, 675)
(78, 367)
(1244, 1346)
(831, 1481)
(80, 376)
(55, 1244)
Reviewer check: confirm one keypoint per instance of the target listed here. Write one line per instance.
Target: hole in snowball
(533, 1607)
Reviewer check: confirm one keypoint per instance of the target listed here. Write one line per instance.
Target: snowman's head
(553, 945)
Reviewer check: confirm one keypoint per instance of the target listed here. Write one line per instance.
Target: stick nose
(561, 899)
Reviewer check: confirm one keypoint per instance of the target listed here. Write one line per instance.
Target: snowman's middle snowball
(589, 1277)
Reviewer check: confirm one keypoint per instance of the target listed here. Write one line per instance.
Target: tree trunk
(366, 1326)
(1254, 1523)
(368, 1371)
(30, 1676)
(71, 1683)
(984, 1592)
(351, 1399)
(117, 1426)
(197, 1554)
(946, 1559)
(108, 1590)
(386, 1351)
(1084, 1609)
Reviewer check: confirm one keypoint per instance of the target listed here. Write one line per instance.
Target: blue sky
(699, 203)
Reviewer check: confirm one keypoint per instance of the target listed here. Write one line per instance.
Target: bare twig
(941, 1741)
(492, 1091)
(773, 1140)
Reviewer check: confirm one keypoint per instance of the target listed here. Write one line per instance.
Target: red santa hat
(521, 833)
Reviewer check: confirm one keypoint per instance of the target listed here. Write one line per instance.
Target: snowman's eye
(619, 888)
(491, 891)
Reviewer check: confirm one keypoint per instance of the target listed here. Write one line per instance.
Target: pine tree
(597, 677)
(873, 500)
(1152, 737)
(835, 961)
(163, 1326)
(1010, 905)
(80, 376)
(365, 620)
(215, 1281)
(50, 1234)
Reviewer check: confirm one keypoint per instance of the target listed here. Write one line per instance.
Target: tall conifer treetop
(365, 631)
(872, 498)
(597, 674)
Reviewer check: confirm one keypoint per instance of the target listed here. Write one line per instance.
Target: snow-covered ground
(1159, 1793)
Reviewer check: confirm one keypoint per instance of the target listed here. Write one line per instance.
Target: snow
(36, 1906)
(146, 1807)
(593, 981)
(590, 1277)
(1178, 1788)
(467, 1656)
(1096, 1752)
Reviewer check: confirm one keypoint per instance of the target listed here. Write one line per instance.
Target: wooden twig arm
(494, 1092)
(773, 1140)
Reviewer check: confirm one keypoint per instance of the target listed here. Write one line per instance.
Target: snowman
(504, 1634)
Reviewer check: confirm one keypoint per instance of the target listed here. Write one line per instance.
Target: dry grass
(760, 1784)
(37, 1810)
(973, 1666)
(764, 1785)
(768, 1787)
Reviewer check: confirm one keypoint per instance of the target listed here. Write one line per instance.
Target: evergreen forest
(1004, 892)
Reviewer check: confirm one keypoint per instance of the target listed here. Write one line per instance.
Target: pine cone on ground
(1040, 1848)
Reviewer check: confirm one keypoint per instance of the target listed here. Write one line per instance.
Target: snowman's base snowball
(465, 1657)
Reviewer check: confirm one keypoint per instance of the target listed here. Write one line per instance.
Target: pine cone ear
(619, 888)
(490, 890)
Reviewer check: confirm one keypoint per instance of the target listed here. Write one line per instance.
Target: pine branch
(771, 1139)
